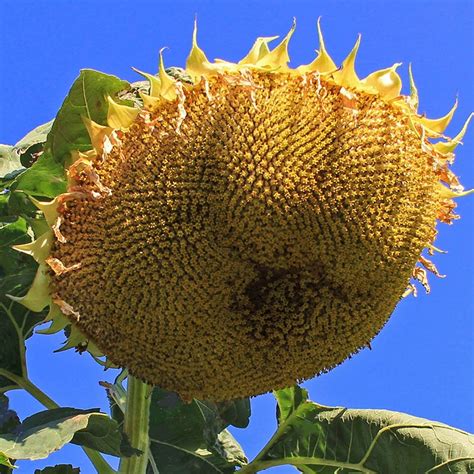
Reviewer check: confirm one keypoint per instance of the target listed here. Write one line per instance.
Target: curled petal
(57, 319)
(168, 84)
(449, 146)
(39, 249)
(323, 62)
(97, 133)
(120, 116)
(346, 75)
(155, 83)
(436, 127)
(413, 98)
(278, 57)
(38, 296)
(386, 81)
(259, 50)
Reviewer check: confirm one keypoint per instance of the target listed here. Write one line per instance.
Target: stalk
(137, 414)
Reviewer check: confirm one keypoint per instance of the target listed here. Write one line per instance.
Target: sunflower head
(247, 225)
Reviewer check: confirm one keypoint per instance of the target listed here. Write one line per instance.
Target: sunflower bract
(252, 229)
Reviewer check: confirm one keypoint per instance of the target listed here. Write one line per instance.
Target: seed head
(249, 228)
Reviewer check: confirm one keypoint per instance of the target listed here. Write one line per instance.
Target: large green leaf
(289, 400)
(9, 421)
(86, 98)
(15, 159)
(323, 440)
(46, 177)
(59, 469)
(191, 437)
(47, 431)
(235, 412)
(9, 160)
(17, 271)
(37, 136)
(32, 144)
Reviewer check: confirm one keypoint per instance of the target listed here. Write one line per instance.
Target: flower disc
(253, 232)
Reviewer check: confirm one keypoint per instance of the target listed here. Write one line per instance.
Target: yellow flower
(249, 228)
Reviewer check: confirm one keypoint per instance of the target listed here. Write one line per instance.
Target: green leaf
(86, 98)
(46, 178)
(17, 271)
(189, 437)
(103, 434)
(235, 412)
(229, 448)
(9, 420)
(12, 233)
(32, 144)
(59, 469)
(288, 400)
(37, 135)
(14, 159)
(19, 204)
(9, 160)
(48, 431)
(323, 440)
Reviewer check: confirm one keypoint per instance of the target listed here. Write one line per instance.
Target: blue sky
(422, 362)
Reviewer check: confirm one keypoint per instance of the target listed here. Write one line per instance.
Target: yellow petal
(449, 146)
(75, 339)
(168, 84)
(149, 102)
(58, 321)
(446, 193)
(346, 75)
(433, 249)
(438, 126)
(430, 266)
(38, 296)
(258, 50)
(413, 99)
(82, 155)
(278, 57)
(120, 116)
(386, 81)
(197, 63)
(155, 83)
(49, 209)
(39, 249)
(323, 62)
(97, 133)
(94, 351)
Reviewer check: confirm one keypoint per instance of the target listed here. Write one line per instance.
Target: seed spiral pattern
(261, 239)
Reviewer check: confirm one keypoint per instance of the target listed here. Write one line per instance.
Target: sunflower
(246, 225)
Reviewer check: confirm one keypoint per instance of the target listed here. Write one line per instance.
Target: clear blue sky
(422, 362)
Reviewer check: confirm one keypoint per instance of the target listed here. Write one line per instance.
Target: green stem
(258, 466)
(31, 388)
(137, 415)
(95, 457)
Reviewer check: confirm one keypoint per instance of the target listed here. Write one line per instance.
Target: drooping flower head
(248, 225)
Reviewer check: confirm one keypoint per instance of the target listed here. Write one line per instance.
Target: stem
(258, 466)
(31, 388)
(137, 414)
(95, 457)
